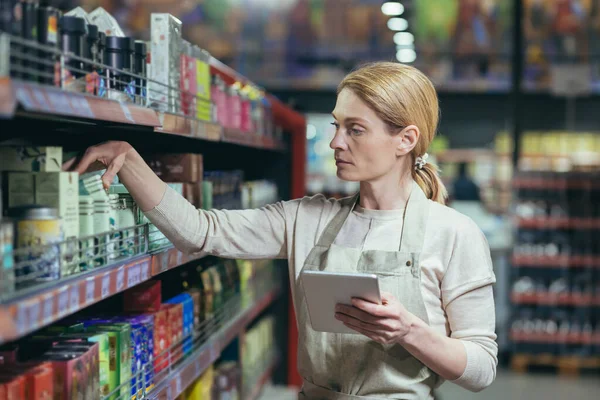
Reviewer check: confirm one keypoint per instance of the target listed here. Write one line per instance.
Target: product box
(13, 388)
(20, 188)
(106, 23)
(138, 337)
(90, 356)
(103, 357)
(70, 378)
(175, 322)
(187, 304)
(177, 168)
(119, 343)
(60, 190)
(145, 297)
(165, 34)
(197, 299)
(162, 339)
(146, 322)
(39, 382)
(31, 159)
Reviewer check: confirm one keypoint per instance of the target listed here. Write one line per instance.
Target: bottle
(119, 54)
(139, 68)
(47, 31)
(86, 232)
(29, 26)
(73, 31)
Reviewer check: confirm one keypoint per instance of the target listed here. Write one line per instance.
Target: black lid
(119, 43)
(73, 25)
(140, 48)
(92, 34)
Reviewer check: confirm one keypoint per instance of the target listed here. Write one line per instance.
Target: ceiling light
(404, 38)
(406, 56)
(397, 24)
(392, 8)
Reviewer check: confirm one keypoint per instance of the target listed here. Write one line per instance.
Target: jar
(38, 234)
(86, 232)
(90, 49)
(102, 230)
(7, 272)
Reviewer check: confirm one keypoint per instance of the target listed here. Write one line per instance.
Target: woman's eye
(356, 132)
(337, 126)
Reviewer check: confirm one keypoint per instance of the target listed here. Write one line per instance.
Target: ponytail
(427, 177)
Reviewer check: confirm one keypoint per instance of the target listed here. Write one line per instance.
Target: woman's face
(364, 149)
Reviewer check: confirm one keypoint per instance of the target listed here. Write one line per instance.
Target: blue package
(188, 319)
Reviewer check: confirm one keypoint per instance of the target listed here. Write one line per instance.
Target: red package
(145, 297)
(40, 382)
(13, 388)
(76, 373)
(175, 323)
(162, 339)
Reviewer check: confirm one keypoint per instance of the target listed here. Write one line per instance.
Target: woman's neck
(387, 193)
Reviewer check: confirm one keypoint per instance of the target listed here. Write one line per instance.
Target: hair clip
(421, 161)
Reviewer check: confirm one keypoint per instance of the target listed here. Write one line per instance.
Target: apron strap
(334, 227)
(415, 221)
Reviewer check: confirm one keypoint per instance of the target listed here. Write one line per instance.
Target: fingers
(357, 314)
(371, 335)
(381, 311)
(112, 171)
(356, 323)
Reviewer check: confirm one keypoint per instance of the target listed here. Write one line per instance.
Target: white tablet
(324, 290)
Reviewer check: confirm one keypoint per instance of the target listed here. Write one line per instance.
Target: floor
(508, 386)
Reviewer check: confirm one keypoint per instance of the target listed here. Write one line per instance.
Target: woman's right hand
(109, 155)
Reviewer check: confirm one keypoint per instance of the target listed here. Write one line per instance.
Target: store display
(48, 35)
(31, 159)
(73, 31)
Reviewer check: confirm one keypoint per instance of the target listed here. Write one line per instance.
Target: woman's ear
(408, 139)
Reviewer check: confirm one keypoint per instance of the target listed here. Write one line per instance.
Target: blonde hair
(402, 95)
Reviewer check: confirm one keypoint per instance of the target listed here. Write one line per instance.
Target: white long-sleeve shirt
(457, 273)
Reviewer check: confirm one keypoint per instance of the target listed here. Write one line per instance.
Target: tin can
(37, 237)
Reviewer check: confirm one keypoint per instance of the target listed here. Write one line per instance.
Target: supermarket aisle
(527, 387)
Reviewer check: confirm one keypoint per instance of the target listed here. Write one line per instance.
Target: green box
(102, 339)
(60, 190)
(31, 159)
(119, 345)
(20, 188)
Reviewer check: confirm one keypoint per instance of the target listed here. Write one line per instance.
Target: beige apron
(345, 366)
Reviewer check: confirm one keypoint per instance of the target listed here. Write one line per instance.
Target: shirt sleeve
(250, 234)
(468, 300)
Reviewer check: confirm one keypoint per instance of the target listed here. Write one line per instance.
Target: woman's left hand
(386, 323)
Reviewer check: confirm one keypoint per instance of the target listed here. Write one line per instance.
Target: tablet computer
(324, 290)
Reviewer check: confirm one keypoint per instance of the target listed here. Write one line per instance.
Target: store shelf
(257, 389)
(184, 374)
(556, 261)
(558, 223)
(549, 299)
(555, 338)
(179, 125)
(235, 136)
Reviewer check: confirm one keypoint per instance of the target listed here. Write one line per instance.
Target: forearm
(445, 356)
(146, 188)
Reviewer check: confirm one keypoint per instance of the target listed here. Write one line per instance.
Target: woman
(437, 319)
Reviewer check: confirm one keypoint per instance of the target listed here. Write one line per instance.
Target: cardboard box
(197, 299)
(187, 304)
(145, 297)
(70, 378)
(91, 359)
(175, 323)
(13, 388)
(103, 357)
(31, 159)
(162, 339)
(20, 189)
(60, 190)
(177, 168)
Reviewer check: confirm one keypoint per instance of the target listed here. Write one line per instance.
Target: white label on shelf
(34, 314)
(22, 318)
(178, 388)
(133, 275)
(74, 298)
(126, 111)
(145, 270)
(24, 98)
(48, 308)
(40, 98)
(59, 102)
(90, 290)
(120, 279)
(105, 286)
(63, 302)
(81, 107)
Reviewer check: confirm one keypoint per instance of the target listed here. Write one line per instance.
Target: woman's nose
(338, 141)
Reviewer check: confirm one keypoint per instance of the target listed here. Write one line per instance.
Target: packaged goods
(59, 190)
(145, 297)
(106, 22)
(119, 55)
(203, 88)
(175, 322)
(103, 357)
(86, 232)
(165, 69)
(13, 388)
(21, 189)
(31, 159)
(38, 227)
(197, 300)
(90, 355)
(47, 35)
(39, 382)
(187, 304)
(179, 168)
(207, 289)
(7, 272)
(140, 69)
(70, 378)
(72, 38)
(162, 339)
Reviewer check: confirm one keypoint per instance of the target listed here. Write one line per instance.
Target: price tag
(60, 103)
(126, 111)
(90, 290)
(22, 318)
(74, 298)
(178, 389)
(48, 304)
(133, 275)
(24, 98)
(120, 279)
(81, 107)
(34, 315)
(40, 98)
(145, 271)
(105, 286)
(63, 302)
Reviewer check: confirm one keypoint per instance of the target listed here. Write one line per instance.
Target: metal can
(37, 237)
